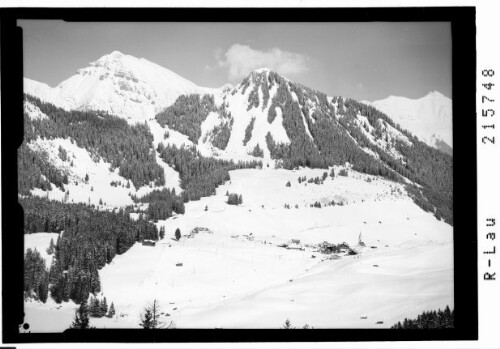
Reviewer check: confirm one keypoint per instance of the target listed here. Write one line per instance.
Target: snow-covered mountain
(266, 117)
(332, 168)
(269, 113)
(124, 85)
(429, 117)
(137, 90)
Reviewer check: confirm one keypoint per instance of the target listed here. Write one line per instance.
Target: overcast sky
(364, 61)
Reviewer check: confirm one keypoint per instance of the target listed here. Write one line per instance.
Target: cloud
(242, 59)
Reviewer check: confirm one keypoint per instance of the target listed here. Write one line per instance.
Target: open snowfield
(235, 275)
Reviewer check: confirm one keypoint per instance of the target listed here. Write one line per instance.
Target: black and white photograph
(237, 175)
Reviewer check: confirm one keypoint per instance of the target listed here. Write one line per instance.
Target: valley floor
(235, 275)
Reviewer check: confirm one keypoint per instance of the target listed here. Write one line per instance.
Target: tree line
(428, 320)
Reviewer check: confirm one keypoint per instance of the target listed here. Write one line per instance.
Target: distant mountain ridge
(428, 117)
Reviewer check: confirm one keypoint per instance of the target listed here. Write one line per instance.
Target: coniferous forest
(187, 114)
(105, 136)
(162, 204)
(36, 171)
(335, 138)
(36, 276)
(88, 240)
(221, 133)
(200, 176)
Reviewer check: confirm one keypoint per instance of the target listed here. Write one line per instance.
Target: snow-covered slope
(265, 117)
(251, 102)
(232, 273)
(46, 93)
(236, 275)
(124, 85)
(429, 117)
(99, 189)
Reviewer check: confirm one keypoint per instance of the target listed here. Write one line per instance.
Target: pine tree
(81, 320)
(51, 248)
(147, 320)
(91, 307)
(240, 199)
(150, 318)
(43, 288)
(177, 234)
(448, 320)
(93, 276)
(86, 177)
(233, 199)
(111, 311)
(95, 307)
(104, 307)
(162, 232)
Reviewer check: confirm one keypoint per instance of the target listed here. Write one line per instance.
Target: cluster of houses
(328, 248)
(324, 247)
(293, 244)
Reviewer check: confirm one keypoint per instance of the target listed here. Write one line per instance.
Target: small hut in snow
(148, 243)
